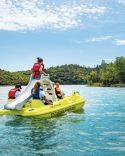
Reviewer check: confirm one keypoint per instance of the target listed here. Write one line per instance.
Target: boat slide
(20, 101)
(23, 106)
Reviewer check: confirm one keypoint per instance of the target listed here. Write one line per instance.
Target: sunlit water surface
(99, 130)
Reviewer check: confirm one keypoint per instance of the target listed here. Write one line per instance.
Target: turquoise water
(99, 130)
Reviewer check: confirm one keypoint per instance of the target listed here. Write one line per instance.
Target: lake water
(97, 131)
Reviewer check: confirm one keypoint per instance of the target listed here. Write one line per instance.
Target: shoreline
(85, 85)
(122, 85)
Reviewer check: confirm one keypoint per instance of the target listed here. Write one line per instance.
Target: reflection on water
(96, 130)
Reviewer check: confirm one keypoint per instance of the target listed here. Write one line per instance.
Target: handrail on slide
(20, 101)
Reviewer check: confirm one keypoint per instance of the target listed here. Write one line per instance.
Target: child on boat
(38, 93)
(38, 68)
(14, 92)
(58, 91)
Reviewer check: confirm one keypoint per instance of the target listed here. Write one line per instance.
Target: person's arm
(41, 71)
(32, 91)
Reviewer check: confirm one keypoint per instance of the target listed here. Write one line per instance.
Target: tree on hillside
(108, 74)
(120, 69)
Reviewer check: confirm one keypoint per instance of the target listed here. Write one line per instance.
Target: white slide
(19, 102)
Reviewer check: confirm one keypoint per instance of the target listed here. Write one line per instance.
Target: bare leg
(47, 101)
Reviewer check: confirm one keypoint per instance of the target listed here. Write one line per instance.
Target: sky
(61, 32)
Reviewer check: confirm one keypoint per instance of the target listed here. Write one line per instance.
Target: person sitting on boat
(58, 91)
(14, 92)
(38, 68)
(49, 95)
(38, 93)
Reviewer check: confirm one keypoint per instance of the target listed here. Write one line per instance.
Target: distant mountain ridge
(65, 74)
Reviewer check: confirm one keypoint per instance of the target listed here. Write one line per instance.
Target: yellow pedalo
(37, 108)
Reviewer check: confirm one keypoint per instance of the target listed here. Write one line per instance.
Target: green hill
(102, 75)
(65, 74)
(11, 78)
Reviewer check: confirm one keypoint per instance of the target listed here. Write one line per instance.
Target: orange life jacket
(58, 93)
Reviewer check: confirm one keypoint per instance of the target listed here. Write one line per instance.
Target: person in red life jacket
(38, 68)
(15, 92)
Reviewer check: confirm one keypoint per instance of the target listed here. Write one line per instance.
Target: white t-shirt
(17, 94)
(41, 94)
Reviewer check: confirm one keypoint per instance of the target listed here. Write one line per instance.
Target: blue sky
(61, 32)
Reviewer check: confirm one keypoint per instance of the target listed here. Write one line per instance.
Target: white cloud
(120, 42)
(107, 60)
(79, 41)
(36, 14)
(99, 39)
(122, 2)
